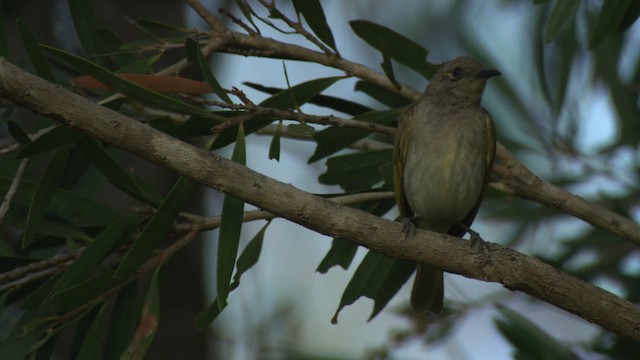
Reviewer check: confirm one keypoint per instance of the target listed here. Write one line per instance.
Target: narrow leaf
(52, 139)
(274, 147)
(40, 64)
(398, 47)
(44, 194)
(193, 48)
(561, 15)
(230, 228)
(156, 229)
(612, 15)
(247, 259)
(128, 88)
(357, 171)
(78, 295)
(389, 98)
(122, 327)
(18, 133)
(83, 16)
(148, 325)
(314, 15)
(92, 343)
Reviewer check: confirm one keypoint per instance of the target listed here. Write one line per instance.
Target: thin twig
(238, 22)
(13, 189)
(207, 16)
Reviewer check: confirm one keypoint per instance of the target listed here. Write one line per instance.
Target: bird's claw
(408, 227)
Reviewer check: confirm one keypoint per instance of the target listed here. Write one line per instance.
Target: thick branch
(497, 264)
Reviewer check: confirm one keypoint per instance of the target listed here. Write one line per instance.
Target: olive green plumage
(443, 157)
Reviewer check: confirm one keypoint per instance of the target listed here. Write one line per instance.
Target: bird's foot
(408, 226)
(477, 242)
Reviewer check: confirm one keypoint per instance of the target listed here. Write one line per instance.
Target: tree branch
(497, 264)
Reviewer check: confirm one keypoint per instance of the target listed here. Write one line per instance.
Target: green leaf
(40, 64)
(52, 139)
(339, 104)
(387, 97)
(303, 93)
(530, 340)
(83, 16)
(148, 324)
(610, 19)
(18, 133)
(630, 16)
(395, 278)
(336, 138)
(561, 15)
(18, 343)
(92, 343)
(111, 236)
(195, 54)
(247, 11)
(366, 281)
(156, 229)
(128, 88)
(72, 297)
(109, 43)
(398, 47)
(4, 43)
(357, 171)
(44, 194)
(247, 259)
(341, 253)
(314, 15)
(122, 326)
(163, 26)
(274, 147)
(230, 228)
(108, 166)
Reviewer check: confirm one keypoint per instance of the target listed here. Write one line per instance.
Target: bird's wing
(399, 158)
(488, 164)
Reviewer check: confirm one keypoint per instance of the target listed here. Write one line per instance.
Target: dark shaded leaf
(341, 254)
(562, 14)
(195, 54)
(122, 326)
(92, 342)
(398, 47)
(247, 259)
(357, 171)
(160, 25)
(530, 340)
(314, 15)
(336, 138)
(339, 104)
(78, 295)
(52, 139)
(274, 147)
(156, 229)
(610, 19)
(4, 44)
(389, 98)
(83, 16)
(18, 133)
(148, 324)
(230, 228)
(395, 278)
(108, 166)
(44, 194)
(36, 56)
(129, 88)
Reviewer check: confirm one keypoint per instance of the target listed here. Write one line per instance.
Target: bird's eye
(457, 73)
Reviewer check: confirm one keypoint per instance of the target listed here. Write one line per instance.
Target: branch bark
(496, 264)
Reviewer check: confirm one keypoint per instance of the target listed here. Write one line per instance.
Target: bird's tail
(428, 290)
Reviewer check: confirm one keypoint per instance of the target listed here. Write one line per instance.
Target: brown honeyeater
(443, 155)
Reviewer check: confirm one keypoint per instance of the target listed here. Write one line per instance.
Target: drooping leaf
(357, 171)
(156, 229)
(230, 228)
(314, 15)
(610, 19)
(562, 14)
(274, 147)
(331, 102)
(83, 16)
(4, 43)
(195, 54)
(163, 26)
(72, 297)
(52, 139)
(391, 284)
(122, 326)
(108, 166)
(530, 340)
(149, 321)
(336, 138)
(341, 254)
(40, 64)
(44, 194)
(129, 88)
(247, 259)
(389, 98)
(92, 343)
(17, 133)
(248, 13)
(396, 46)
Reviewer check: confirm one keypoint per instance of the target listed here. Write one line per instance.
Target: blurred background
(566, 106)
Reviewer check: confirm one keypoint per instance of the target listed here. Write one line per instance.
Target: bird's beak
(485, 74)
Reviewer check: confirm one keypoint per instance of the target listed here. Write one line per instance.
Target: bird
(442, 159)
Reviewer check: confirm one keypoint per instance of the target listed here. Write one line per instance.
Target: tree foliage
(68, 258)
